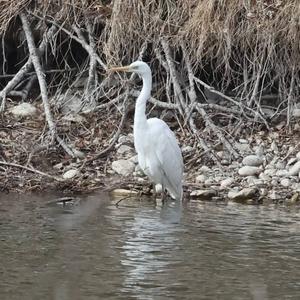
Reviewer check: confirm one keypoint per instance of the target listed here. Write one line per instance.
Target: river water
(95, 250)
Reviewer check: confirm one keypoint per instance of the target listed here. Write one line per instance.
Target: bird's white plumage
(158, 152)
(160, 157)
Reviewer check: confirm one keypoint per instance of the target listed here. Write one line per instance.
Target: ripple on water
(95, 250)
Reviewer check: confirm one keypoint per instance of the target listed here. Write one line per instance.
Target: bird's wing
(168, 153)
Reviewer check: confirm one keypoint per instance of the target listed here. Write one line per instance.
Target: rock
(298, 155)
(58, 166)
(296, 187)
(204, 169)
(123, 192)
(264, 177)
(270, 172)
(69, 103)
(280, 165)
(186, 149)
(282, 173)
(294, 199)
(134, 159)
(259, 151)
(220, 154)
(124, 139)
(274, 182)
(295, 169)
(130, 138)
(243, 141)
(296, 113)
(24, 110)
(201, 178)
(252, 160)
(252, 180)
(274, 147)
(123, 167)
(227, 182)
(243, 148)
(138, 172)
(244, 194)
(224, 162)
(274, 195)
(249, 171)
(76, 118)
(123, 149)
(209, 182)
(70, 174)
(203, 194)
(285, 182)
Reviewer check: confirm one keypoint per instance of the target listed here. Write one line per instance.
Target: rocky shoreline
(267, 171)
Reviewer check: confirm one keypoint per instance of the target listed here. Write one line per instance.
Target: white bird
(159, 155)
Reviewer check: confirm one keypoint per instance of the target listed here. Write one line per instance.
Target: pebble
(264, 177)
(243, 141)
(76, 118)
(244, 194)
(70, 174)
(298, 155)
(270, 172)
(249, 171)
(124, 149)
(186, 149)
(274, 195)
(123, 192)
(203, 194)
(138, 172)
(123, 167)
(295, 169)
(227, 182)
(252, 180)
(201, 178)
(274, 147)
(242, 147)
(282, 173)
(280, 165)
(285, 182)
(134, 159)
(209, 181)
(24, 110)
(204, 169)
(252, 160)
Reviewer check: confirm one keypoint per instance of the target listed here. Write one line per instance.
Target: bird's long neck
(140, 120)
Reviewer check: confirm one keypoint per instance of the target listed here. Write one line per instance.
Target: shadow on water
(95, 250)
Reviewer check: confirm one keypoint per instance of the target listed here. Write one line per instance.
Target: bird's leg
(163, 195)
(154, 192)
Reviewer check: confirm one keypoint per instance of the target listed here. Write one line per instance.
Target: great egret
(159, 155)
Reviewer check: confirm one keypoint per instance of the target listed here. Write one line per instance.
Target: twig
(203, 143)
(156, 102)
(3, 163)
(210, 123)
(42, 83)
(213, 90)
(289, 99)
(176, 85)
(115, 137)
(26, 68)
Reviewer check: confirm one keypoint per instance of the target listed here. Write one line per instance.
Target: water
(94, 250)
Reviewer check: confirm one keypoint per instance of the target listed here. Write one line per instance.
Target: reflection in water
(95, 250)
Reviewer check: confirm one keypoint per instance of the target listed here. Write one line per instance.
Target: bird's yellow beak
(119, 69)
